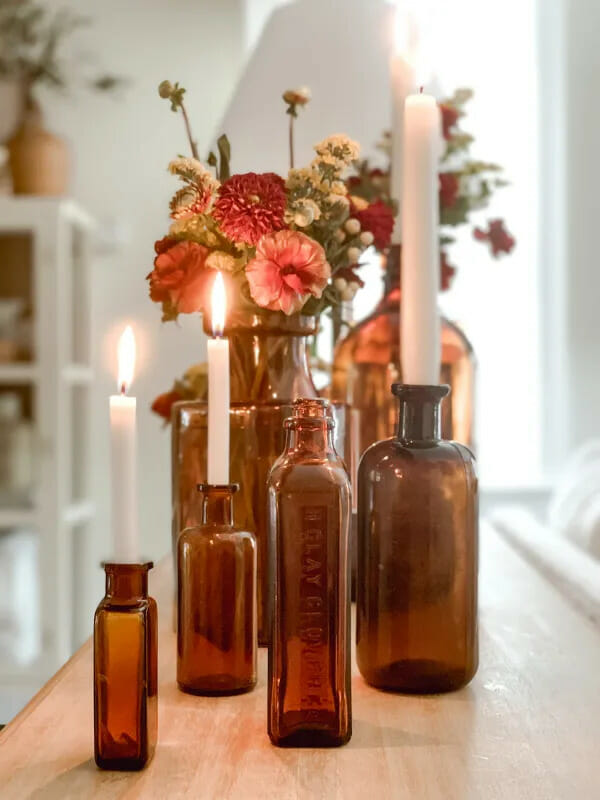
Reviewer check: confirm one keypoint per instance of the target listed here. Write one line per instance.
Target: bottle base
(417, 677)
(216, 686)
(310, 738)
(122, 764)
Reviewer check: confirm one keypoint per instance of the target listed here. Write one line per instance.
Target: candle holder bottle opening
(125, 669)
(216, 600)
(417, 553)
(309, 702)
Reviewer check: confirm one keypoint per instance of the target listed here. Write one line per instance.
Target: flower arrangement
(286, 244)
(466, 185)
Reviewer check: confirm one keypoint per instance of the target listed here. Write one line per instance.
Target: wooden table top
(528, 726)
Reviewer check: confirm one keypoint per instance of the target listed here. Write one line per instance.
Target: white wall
(120, 148)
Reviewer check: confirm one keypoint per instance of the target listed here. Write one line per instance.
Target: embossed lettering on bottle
(314, 660)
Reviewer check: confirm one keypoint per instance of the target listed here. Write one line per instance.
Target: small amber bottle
(417, 554)
(309, 701)
(125, 670)
(216, 600)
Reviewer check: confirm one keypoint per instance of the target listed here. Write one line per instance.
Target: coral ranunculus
(180, 276)
(288, 268)
(164, 402)
(250, 206)
(378, 219)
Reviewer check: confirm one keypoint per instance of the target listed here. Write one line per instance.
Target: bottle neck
(419, 417)
(127, 583)
(311, 437)
(310, 428)
(217, 504)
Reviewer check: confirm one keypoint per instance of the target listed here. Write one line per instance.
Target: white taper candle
(420, 334)
(123, 458)
(218, 391)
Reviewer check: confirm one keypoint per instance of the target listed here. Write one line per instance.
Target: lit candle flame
(217, 302)
(126, 359)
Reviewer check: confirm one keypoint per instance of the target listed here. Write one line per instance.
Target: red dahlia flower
(497, 236)
(288, 268)
(180, 276)
(250, 206)
(448, 189)
(378, 219)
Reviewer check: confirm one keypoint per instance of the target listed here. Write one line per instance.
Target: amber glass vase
(125, 670)
(269, 370)
(417, 554)
(309, 514)
(367, 362)
(216, 600)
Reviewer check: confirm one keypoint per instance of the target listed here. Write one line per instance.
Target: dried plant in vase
(31, 56)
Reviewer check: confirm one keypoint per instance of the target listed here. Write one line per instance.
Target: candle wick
(420, 90)
(123, 389)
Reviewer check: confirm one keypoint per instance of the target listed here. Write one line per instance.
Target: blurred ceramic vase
(417, 554)
(309, 516)
(38, 160)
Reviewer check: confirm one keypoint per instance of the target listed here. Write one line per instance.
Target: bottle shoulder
(389, 453)
(310, 472)
(223, 533)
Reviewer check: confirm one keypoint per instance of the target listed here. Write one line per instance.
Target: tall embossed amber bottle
(309, 701)
(125, 670)
(417, 554)
(216, 600)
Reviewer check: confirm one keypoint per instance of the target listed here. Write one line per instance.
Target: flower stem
(189, 132)
(291, 141)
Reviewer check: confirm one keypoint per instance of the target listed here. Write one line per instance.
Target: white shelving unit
(45, 258)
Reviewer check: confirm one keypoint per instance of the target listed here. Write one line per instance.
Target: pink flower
(288, 268)
(251, 205)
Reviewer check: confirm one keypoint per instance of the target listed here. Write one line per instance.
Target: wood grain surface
(528, 726)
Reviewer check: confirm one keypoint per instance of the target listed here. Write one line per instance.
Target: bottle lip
(309, 423)
(416, 391)
(207, 488)
(133, 566)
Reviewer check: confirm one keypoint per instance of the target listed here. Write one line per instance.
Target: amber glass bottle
(367, 361)
(125, 670)
(417, 554)
(216, 600)
(309, 516)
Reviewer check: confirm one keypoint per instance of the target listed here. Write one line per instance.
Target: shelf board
(18, 373)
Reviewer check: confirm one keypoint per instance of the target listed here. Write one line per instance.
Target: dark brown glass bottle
(309, 515)
(125, 670)
(216, 600)
(417, 554)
